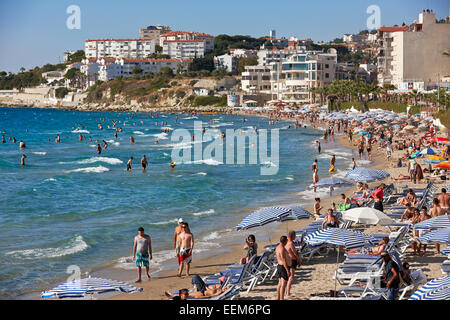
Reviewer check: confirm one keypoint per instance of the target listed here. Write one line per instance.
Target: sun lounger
(445, 267)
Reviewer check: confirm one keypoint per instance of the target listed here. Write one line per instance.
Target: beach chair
(235, 275)
(445, 267)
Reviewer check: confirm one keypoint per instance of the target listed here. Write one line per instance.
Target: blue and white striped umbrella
(439, 222)
(366, 175)
(436, 289)
(297, 213)
(436, 236)
(427, 151)
(81, 287)
(333, 182)
(339, 237)
(446, 251)
(263, 216)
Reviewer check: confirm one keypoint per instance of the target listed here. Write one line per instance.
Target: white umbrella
(367, 215)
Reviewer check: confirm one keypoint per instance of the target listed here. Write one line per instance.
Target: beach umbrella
(262, 217)
(436, 289)
(439, 139)
(431, 161)
(297, 213)
(440, 222)
(436, 236)
(366, 175)
(446, 251)
(443, 165)
(447, 143)
(438, 158)
(414, 155)
(366, 215)
(349, 239)
(333, 181)
(427, 151)
(81, 287)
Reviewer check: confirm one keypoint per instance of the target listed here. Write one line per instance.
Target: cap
(180, 220)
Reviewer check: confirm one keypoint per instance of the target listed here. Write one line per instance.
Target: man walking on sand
(176, 233)
(142, 252)
(295, 260)
(186, 243)
(282, 267)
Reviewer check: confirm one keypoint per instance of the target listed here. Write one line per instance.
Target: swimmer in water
(3, 139)
(132, 140)
(115, 135)
(21, 144)
(172, 165)
(144, 163)
(22, 160)
(129, 164)
(99, 149)
(105, 145)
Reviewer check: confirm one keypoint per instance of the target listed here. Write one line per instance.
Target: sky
(34, 32)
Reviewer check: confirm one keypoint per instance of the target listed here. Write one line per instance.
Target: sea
(71, 210)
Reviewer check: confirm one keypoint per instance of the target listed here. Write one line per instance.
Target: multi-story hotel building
(256, 79)
(292, 79)
(184, 49)
(411, 56)
(119, 48)
(186, 35)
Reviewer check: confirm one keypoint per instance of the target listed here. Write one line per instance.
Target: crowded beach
(383, 238)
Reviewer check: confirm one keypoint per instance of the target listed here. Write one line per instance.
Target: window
(327, 75)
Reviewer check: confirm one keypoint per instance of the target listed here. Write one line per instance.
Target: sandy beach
(312, 278)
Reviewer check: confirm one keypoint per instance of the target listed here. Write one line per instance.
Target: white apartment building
(229, 61)
(412, 55)
(119, 48)
(268, 57)
(186, 35)
(256, 79)
(292, 79)
(184, 49)
(109, 70)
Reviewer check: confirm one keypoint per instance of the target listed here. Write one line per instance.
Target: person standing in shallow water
(129, 164)
(22, 160)
(142, 253)
(144, 163)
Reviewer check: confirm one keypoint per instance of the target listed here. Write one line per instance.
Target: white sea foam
(269, 164)
(160, 136)
(138, 132)
(289, 178)
(98, 169)
(212, 236)
(210, 162)
(75, 245)
(165, 222)
(80, 131)
(112, 161)
(39, 153)
(50, 179)
(201, 173)
(203, 213)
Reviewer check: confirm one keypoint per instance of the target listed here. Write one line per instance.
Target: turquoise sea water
(71, 206)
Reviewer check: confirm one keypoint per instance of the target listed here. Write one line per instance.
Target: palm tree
(414, 94)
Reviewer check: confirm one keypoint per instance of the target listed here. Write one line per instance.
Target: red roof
(393, 29)
(92, 40)
(184, 40)
(198, 34)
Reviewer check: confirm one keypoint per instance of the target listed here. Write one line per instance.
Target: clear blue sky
(34, 32)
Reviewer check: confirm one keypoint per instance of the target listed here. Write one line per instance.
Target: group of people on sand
(183, 243)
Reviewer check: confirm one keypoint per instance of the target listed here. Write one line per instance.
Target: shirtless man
(444, 201)
(131, 140)
(176, 232)
(283, 270)
(99, 149)
(22, 160)
(129, 164)
(144, 163)
(436, 211)
(21, 144)
(295, 260)
(186, 243)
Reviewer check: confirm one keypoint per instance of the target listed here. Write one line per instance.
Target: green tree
(243, 62)
(61, 92)
(137, 70)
